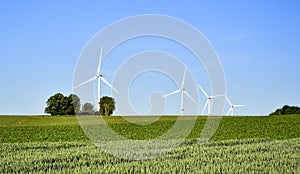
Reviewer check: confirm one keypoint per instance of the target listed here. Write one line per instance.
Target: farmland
(57, 129)
(240, 145)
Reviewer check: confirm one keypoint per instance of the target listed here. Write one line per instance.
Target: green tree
(58, 104)
(73, 104)
(286, 110)
(107, 105)
(55, 104)
(88, 108)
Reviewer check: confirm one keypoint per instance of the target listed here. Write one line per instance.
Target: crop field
(45, 144)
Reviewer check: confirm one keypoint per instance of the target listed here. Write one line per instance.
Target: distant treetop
(286, 110)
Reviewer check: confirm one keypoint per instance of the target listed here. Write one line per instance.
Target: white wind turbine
(208, 101)
(231, 109)
(100, 78)
(182, 91)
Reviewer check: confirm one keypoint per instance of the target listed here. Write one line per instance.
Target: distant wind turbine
(100, 78)
(208, 100)
(182, 91)
(231, 109)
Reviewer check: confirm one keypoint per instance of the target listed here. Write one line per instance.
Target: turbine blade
(239, 105)
(203, 91)
(100, 61)
(171, 93)
(216, 96)
(85, 82)
(187, 94)
(108, 84)
(228, 101)
(183, 79)
(229, 111)
(206, 103)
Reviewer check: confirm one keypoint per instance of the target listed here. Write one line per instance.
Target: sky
(257, 43)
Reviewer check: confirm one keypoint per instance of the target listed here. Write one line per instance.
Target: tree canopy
(286, 110)
(87, 109)
(107, 106)
(58, 104)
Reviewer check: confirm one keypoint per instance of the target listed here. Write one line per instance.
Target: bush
(286, 110)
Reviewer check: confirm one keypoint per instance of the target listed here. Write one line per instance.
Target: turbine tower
(100, 78)
(231, 109)
(208, 100)
(182, 91)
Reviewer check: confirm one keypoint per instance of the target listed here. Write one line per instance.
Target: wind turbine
(208, 100)
(99, 77)
(231, 109)
(182, 91)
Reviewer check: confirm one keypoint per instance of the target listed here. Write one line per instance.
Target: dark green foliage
(287, 110)
(73, 104)
(55, 104)
(142, 132)
(230, 128)
(107, 106)
(41, 134)
(28, 129)
(246, 127)
(87, 109)
(59, 104)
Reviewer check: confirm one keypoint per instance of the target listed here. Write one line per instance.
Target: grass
(46, 144)
(230, 156)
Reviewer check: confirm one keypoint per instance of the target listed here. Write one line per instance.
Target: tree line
(286, 110)
(58, 104)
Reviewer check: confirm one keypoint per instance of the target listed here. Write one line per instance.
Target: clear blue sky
(257, 42)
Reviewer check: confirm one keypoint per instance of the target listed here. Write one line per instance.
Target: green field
(240, 145)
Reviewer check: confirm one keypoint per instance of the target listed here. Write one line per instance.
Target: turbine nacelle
(231, 109)
(99, 77)
(208, 100)
(183, 92)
